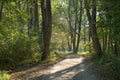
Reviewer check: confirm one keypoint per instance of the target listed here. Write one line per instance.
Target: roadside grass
(4, 75)
(85, 54)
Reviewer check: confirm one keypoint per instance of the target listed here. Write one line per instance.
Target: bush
(110, 66)
(112, 69)
(19, 48)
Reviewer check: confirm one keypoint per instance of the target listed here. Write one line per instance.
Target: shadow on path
(25, 72)
(85, 70)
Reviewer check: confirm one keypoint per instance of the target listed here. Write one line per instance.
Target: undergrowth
(110, 66)
(4, 75)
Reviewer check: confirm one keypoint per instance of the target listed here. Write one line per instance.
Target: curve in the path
(70, 69)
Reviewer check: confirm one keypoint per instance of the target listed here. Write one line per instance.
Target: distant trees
(75, 21)
(75, 11)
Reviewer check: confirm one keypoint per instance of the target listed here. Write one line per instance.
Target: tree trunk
(46, 27)
(70, 25)
(84, 35)
(36, 17)
(92, 25)
(30, 20)
(75, 26)
(68, 43)
(115, 47)
(79, 26)
(104, 39)
(1, 9)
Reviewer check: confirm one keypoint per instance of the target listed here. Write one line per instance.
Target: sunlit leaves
(12, 3)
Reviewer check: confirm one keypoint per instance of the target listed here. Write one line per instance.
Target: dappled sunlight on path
(71, 68)
(67, 63)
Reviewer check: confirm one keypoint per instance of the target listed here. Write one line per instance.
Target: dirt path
(71, 68)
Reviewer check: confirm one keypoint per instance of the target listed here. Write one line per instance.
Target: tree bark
(70, 26)
(30, 20)
(46, 27)
(36, 17)
(84, 33)
(75, 4)
(92, 25)
(115, 47)
(1, 9)
(79, 27)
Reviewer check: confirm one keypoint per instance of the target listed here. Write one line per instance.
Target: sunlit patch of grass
(4, 75)
(62, 52)
(53, 58)
(86, 54)
(68, 52)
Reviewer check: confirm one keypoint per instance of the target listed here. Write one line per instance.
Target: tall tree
(92, 25)
(46, 27)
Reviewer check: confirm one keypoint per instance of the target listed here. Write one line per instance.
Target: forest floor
(71, 67)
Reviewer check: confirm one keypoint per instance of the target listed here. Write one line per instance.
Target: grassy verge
(4, 75)
(85, 54)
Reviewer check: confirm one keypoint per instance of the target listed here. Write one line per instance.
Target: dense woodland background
(33, 31)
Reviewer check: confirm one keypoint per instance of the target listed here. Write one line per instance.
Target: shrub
(110, 66)
(19, 48)
(112, 69)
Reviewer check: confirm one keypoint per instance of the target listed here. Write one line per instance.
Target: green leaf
(12, 3)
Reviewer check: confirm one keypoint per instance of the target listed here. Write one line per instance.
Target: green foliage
(109, 25)
(110, 66)
(103, 60)
(4, 75)
(16, 47)
(19, 48)
(111, 69)
(86, 54)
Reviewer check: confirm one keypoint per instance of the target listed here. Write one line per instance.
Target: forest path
(73, 67)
